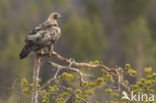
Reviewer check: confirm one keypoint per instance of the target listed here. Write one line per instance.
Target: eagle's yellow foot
(42, 52)
(53, 52)
(50, 53)
(50, 49)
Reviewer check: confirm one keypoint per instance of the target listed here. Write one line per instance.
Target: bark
(36, 70)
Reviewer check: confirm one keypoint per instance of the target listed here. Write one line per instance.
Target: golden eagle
(44, 35)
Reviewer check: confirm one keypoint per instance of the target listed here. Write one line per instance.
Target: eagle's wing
(42, 36)
(43, 26)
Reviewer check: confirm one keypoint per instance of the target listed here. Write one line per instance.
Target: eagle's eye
(55, 16)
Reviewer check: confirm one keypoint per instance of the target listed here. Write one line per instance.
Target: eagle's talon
(53, 52)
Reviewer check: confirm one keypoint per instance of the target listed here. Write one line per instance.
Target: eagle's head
(54, 17)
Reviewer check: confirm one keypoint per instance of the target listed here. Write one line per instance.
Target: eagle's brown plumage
(44, 35)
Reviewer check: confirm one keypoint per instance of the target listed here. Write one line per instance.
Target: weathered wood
(36, 70)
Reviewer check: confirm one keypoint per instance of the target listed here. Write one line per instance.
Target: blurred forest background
(115, 32)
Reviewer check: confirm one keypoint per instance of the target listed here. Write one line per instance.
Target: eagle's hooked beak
(57, 16)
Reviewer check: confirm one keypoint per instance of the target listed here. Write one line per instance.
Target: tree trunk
(36, 70)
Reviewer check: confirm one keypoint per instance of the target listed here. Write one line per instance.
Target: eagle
(42, 36)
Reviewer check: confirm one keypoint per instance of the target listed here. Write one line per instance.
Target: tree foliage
(60, 91)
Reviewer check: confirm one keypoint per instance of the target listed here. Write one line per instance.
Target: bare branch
(68, 61)
(67, 68)
(50, 80)
(113, 71)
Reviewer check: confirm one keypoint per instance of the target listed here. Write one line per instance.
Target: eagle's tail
(25, 51)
